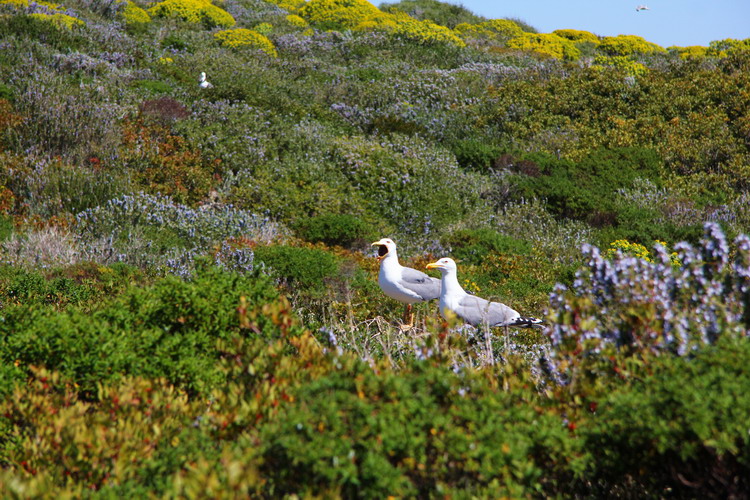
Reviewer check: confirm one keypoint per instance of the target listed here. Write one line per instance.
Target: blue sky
(668, 22)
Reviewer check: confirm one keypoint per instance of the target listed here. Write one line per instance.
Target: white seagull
(202, 82)
(470, 308)
(404, 284)
(641, 7)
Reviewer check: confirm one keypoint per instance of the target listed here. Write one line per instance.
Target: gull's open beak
(382, 249)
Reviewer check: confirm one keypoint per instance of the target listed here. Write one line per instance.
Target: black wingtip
(522, 322)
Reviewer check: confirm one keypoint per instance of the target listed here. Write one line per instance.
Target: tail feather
(525, 322)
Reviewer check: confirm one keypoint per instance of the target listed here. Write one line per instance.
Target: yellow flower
(242, 37)
(546, 43)
(691, 52)
(289, 5)
(337, 14)
(132, 14)
(577, 35)
(495, 29)
(193, 11)
(18, 4)
(425, 32)
(625, 45)
(61, 20)
(297, 21)
(623, 63)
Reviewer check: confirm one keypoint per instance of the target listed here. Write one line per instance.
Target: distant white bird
(470, 308)
(404, 284)
(641, 7)
(203, 83)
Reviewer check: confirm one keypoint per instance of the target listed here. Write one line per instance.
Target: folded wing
(478, 311)
(418, 282)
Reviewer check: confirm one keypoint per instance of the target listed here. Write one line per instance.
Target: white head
(386, 247)
(444, 265)
(203, 77)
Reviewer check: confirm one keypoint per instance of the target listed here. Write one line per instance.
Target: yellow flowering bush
(384, 21)
(193, 11)
(626, 64)
(637, 250)
(494, 29)
(297, 21)
(722, 48)
(691, 52)
(264, 29)
(546, 43)
(625, 45)
(337, 14)
(577, 35)
(289, 5)
(166, 60)
(627, 247)
(60, 20)
(425, 32)
(18, 4)
(242, 37)
(22, 4)
(132, 14)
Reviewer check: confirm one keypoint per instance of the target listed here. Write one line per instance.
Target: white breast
(389, 281)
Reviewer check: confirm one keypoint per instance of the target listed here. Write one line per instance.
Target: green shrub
(422, 433)
(682, 428)
(176, 42)
(475, 154)
(6, 227)
(472, 246)
(333, 229)
(442, 13)
(33, 28)
(307, 268)
(165, 330)
(587, 189)
(6, 93)
(153, 86)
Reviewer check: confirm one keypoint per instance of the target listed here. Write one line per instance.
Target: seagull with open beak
(404, 284)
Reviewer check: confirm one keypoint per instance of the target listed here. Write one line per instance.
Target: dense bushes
(167, 330)
(452, 134)
(472, 246)
(303, 268)
(193, 11)
(682, 428)
(333, 229)
(587, 189)
(292, 417)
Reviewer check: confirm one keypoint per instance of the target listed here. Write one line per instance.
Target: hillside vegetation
(188, 297)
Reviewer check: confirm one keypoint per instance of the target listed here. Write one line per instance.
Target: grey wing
(418, 282)
(476, 311)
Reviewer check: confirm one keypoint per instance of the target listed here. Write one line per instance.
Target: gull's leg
(408, 319)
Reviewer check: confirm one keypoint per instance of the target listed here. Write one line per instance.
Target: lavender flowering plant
(648, 308)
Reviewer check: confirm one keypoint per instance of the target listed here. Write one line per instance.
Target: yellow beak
(434, 265)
